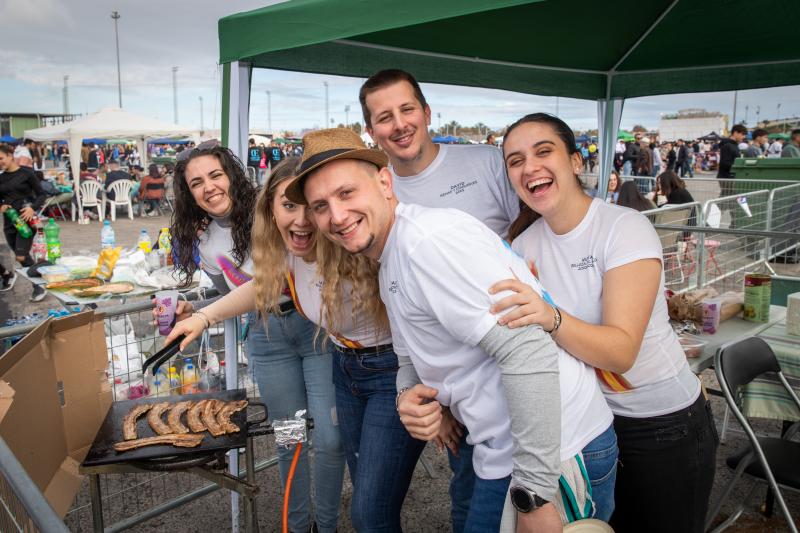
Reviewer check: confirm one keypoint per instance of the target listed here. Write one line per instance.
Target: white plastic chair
(89, 191)
(122, 197)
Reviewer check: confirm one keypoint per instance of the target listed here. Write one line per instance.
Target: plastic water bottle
(145, 244)
(189, 377)
(39, 246)
(174, 381)
(22, 228)
(107, 237)
(51, 231)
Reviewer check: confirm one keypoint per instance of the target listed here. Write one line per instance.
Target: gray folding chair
(771, 459)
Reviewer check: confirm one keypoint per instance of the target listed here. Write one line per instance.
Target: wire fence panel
(705, 189)
(680, 273)
(725, 258)
(784, 215)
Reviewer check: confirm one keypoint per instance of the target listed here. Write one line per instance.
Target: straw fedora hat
(324, 146)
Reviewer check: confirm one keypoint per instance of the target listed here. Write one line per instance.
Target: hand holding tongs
(163, 355)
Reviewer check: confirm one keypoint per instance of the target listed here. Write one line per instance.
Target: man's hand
(4, 208)
(419, 412)
(26, 213)
(450, 432)
(543, 520)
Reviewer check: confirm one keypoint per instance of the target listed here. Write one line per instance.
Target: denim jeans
(600, 459)
(666, 470)
(486, 506)
(462, 484)
(381, 455)
(627, 168)
(293, 374)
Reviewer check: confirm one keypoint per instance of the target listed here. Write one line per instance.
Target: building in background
(691, 124)
(15, 124)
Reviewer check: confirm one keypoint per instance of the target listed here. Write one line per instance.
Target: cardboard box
(54, 396)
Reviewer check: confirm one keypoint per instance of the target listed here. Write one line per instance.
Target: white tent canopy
(108, 123)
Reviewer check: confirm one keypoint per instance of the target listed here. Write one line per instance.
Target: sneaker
(39, 294)
(8, 282)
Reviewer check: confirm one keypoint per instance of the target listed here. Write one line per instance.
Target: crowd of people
(472, 296)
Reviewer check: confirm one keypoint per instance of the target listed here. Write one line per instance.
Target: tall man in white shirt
(468, 178)
(529, 407)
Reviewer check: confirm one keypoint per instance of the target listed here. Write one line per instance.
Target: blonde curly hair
(336, 267)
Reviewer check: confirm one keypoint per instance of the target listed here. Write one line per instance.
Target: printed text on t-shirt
(585, 263)
(458, 188)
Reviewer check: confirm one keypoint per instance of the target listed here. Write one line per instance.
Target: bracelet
(397, 398)
(557, 323)
(203, 317)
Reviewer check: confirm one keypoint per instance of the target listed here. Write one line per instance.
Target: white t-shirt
(305, 286)
(469, 178)
(572, 267)
(216, 258)
(436, 270)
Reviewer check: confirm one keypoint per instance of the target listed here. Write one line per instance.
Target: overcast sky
(44, 40)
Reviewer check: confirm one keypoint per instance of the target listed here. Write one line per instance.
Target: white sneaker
(39, 294)
(8, 282)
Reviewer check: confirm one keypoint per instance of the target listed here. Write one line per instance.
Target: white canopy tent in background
(108, 123)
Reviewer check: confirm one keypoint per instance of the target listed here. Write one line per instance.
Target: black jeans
(666, 470)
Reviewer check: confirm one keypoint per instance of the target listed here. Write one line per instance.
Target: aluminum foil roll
(290, 431)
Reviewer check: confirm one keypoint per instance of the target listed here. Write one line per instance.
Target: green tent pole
(226, 103)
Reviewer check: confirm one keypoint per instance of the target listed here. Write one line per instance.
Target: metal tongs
(163, 355)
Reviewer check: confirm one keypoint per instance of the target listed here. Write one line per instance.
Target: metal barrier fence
(715, 243)
(133, 498)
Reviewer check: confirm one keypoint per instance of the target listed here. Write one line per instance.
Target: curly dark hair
(189, 220)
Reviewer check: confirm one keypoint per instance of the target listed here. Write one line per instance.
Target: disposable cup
(166, 304)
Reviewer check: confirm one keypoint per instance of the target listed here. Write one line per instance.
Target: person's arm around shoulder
(626, 307)
(528, 361)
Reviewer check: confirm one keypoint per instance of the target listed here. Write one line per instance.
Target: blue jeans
(600, 459)
(293, 374)
(627, 168)
(486, 507)
(381, 455)
(462, 484)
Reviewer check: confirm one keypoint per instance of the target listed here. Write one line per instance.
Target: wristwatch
(525, 500)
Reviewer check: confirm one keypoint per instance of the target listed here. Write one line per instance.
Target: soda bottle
(39, 246)
(145, 243)
(222, 375)
(189, 377)
(51, 231)
(107, 239)
(174, 381)
(22, 228)
(165, 241)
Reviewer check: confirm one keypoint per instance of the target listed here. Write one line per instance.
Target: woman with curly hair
(214, 203)
(380, 453)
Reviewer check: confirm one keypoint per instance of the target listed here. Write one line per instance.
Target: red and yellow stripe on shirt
(293, 293)
(613, 381)
(347, 343)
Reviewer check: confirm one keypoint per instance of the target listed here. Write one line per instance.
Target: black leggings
(666, 470)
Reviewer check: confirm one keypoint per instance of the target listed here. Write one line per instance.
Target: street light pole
(175, 92)
(778, 118)
(269, 112)
(66, 95)
(735, 98)
(327, 115)
(202, 129)
(439, 116)
(115, 15)
(347, 116)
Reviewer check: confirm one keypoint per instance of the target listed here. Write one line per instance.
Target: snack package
(106, 261)
(689, 305)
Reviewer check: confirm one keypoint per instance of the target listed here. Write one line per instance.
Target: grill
(206, 460)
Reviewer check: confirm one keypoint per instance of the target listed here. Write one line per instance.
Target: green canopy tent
(605, 52)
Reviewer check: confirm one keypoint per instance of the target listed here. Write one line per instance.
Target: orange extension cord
(288, 490)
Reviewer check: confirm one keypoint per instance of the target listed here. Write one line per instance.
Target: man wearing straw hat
(528, 406)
